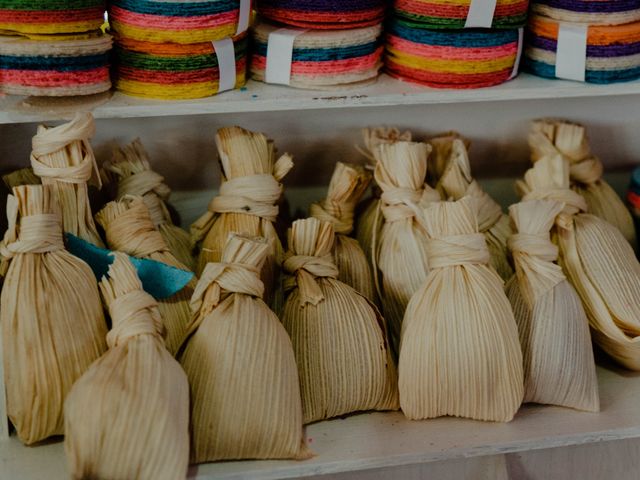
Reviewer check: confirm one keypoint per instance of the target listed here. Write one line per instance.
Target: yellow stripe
(172, 92)
(53, 28)
(452, 66)
(176, 36)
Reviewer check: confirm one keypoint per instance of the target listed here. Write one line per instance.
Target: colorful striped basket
(453, 13)
(177, 21)
(324, 14)
(613, 52)
(51, 16)
(324, 59)
(593, 12)
(172, 71)
(471, 58)
(55, 67)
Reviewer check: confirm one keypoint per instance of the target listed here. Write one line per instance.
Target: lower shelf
(375, 440)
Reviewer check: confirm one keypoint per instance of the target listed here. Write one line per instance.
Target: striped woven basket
(51, 16)
(55, 67)
(172, 71)
(451, 58)
(325, 59)
(613, 52)
(593, 12)
(177, 21)
(453, 13)
(324, 14)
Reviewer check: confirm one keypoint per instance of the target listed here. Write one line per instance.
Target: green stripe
(144, 61)
(49, 5)
(513, 21)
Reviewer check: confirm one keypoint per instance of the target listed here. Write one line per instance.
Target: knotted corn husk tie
(141, 183)
(240, 364)
(597, 260)
(338, 337)
(460, 354)
(250, 195)
(339, 215)
(554, 331)
(400, 203)
(128, 415)
(129, 229)
(62, 156)
(551, 138)
(51, 316)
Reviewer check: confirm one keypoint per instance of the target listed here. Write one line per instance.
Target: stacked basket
(597, 42)
(460, 44)
(339, 46)
(179, 49)
(53, 47)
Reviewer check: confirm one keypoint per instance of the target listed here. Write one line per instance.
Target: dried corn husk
(22, 176)
(347, 186)
(455, 182)
(128, 415)
(441, 154)
(128, 228)
(460, 354)
(338, 336)
(246, 203)
(240, 364)
(369, 219)
(51, 316)
(62, 157)
(554, 331)
(401, 251)
(131, 168)
(596, 259)
(551, 138)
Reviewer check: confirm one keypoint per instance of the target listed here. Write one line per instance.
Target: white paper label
(243, 16)
(516, 65)
(226, 64)
(280, 55)
(480, 14)
(571, 52)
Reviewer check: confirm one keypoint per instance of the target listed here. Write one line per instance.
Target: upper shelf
(259, 97)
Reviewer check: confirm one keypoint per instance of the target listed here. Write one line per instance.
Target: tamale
(441, 153)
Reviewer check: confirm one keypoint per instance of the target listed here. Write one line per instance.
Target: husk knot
(535, 245)
(574, 202)
(141, 183)
(451, 250)
(251, 195)
(339, 215)
(587, 171)
(134, 313)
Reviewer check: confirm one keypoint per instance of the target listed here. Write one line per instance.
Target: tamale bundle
(347, 186)
(597, 260)
(128, 228)
(63, 158)
(128, 415)
(401, 251)
(554, 331)
(240, 364)
(51, 316)
(441, 153)
(131, 168)
(22, 176)
(338, 336)
(460, 353)
(455, 182)
(551, 138)
(369, 219)
(246, 203)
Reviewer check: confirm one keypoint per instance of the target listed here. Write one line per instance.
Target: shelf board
(374, 440)
(259, 97)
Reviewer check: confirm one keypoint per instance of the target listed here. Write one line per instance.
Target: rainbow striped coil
(51, 16)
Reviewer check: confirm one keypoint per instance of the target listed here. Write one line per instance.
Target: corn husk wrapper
(460, 353)
(129, 229)
(455, 182)
(441, 150)
(338, 336)
(347, 186)
(63, 158)
(246, 203)
(554, 331)
(597, 260)
(128, 415)
(401, 250)
(22, 176)
(240, 364)
(551, 138)
(132, 171)
(52, 322)
(369, 219)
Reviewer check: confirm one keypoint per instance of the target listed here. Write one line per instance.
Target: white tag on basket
(516, 65)
(280, 55)
(571, 52)
(226, 64)
(244, 13)
(480, 14)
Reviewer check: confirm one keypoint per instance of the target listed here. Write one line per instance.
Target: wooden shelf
(259, 97)
(374, 440)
